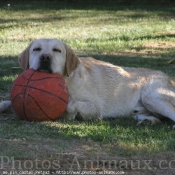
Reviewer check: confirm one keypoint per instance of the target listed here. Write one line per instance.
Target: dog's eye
(56, 50)
(37, 49)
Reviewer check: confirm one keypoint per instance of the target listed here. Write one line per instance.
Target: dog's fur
(4, 105)
(101, 90)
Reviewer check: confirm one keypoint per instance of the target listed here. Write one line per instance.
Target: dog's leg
(69, 116)
(160, 106)
(142, 115)
(4, 105)
(86, 109)
(142, 119)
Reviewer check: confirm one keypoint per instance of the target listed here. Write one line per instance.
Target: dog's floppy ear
(72, 61)
(23, 58)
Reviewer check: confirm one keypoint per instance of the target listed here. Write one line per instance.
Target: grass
(133, 36)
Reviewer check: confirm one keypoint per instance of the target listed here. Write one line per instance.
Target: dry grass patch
(159, 45)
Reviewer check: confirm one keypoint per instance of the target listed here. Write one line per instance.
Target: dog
(101, 90)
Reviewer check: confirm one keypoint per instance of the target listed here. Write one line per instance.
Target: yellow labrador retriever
(101, 90)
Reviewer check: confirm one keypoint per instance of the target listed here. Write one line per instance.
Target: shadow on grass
(9, 69)
(78, 4)
(9, 23)
(151, 61)
(118, 136)
(43, 7)
(129, 38)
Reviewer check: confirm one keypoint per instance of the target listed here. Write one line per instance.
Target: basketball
(39, 96)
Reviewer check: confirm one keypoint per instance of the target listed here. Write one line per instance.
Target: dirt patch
(159, 45)
(84, 156)
(95, 164)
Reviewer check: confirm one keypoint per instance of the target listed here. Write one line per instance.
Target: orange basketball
(39, 96)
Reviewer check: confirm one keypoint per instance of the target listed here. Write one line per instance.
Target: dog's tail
(4, 105)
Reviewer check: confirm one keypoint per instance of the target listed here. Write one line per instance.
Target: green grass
(133, 36)
(120, 130)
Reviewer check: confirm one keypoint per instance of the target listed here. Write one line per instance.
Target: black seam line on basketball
(42, 91)
(40, 78)
(39, 106)
(16, 96)
(25, 93)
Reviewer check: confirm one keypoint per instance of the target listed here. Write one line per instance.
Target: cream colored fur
(101, 90)
(4, 105)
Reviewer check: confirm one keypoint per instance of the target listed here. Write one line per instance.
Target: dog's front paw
(69, 116)
(71, 111)
(71, 107)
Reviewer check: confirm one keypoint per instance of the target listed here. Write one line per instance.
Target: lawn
(125, 35)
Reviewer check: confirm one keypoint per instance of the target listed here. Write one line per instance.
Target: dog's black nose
(45, 63)
(45, 57)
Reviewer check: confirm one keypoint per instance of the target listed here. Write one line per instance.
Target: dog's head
(49, 55)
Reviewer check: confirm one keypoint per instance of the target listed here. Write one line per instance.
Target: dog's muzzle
(45, 61)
